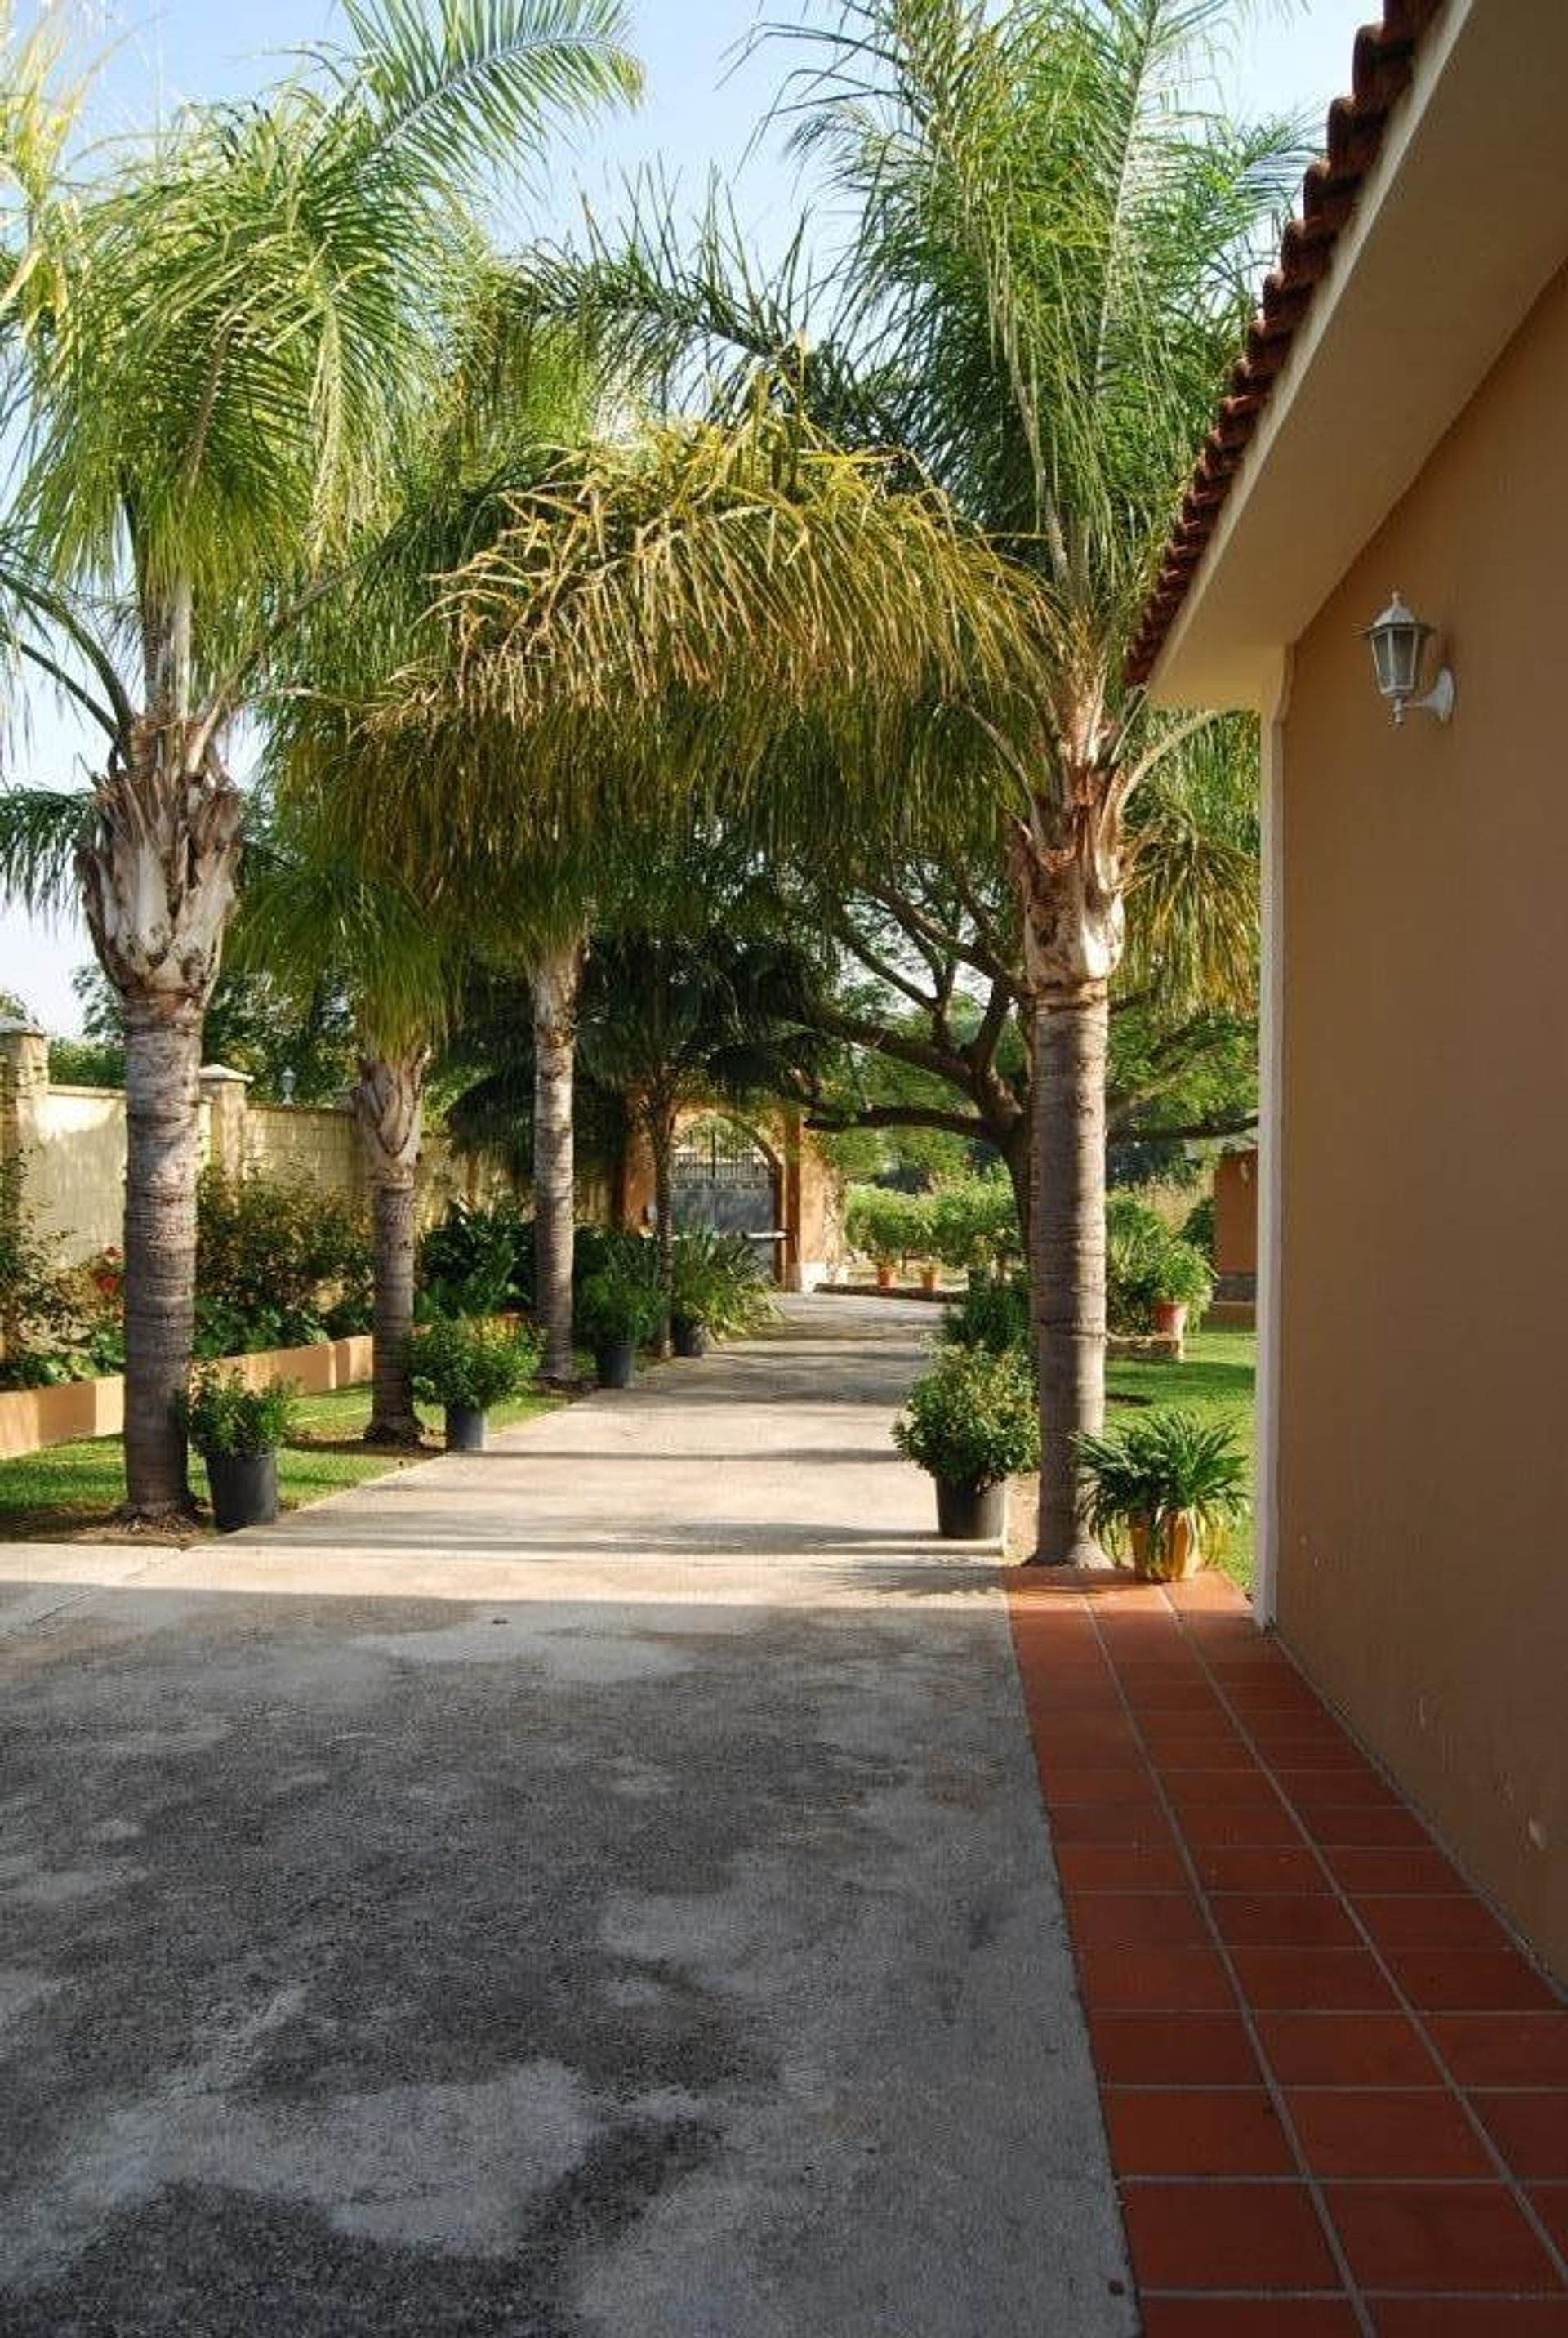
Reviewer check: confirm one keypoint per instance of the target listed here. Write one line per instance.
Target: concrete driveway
(595, 1890)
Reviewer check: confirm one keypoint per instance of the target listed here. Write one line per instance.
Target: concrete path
(594, 1889)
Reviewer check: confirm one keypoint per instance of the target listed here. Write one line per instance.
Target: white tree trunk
(389, 1106)
(158, 875)
(1067, 870)
(557, 982)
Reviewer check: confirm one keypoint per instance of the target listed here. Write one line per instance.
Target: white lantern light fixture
(1399, 640)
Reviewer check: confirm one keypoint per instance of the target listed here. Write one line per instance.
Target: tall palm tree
(1051, 258)
(307, 909)
(216, 400)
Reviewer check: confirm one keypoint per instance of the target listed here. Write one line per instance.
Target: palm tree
(1050, 265)
(216, 398)
(306, 909)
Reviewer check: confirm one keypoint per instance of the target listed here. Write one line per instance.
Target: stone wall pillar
(23, 1084)
(226, 1095)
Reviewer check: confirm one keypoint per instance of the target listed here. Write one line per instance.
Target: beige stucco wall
(1423, 1557)
(1236, 1213)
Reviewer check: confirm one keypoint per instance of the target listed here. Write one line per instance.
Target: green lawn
(1217, 1382)
(73, 1489)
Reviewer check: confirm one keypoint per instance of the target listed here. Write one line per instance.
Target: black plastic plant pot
(464, 1428)
(690, 1337)
(244, 1489)
(617, 1364)
(969, 1513)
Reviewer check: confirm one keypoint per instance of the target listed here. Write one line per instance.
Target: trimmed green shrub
(996, 1316)
(464, 1361)
(974, 1223)
(222, 1414)
(889, 1226)
(973, 1421)
(280, 1263)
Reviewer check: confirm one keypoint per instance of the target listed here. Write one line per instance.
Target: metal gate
(724, 1179)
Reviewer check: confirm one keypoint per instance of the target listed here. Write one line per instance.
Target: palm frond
(40, 832)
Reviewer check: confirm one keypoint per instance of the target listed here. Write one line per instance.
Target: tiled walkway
(1336, 2095)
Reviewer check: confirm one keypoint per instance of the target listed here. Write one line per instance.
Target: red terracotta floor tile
(1550, 2201)
(1283, 1920)
(1347, 2049)
(1190, 2132)
(1333, 1787)
(1474, 1981)
(1138, 1920)
(1531, 2131)
(1381, 1868)
(1250, 2317)
(1091, 1867)
(1135, 1822)
(1266, 1827)
(1177, 1754)
(1357, 2131)
(1305, 1981)
(1440, 2237)
(1220, 1790)
(1157, 1980)
(1206, 2237)
(1120, 1784)
(1258, 1867)
(1366, 1825)
(1504, 2050)
(1446, 1920)
(1470, 2317)
(1151, 2049)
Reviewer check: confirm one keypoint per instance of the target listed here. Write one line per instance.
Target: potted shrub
(619, 1309)
(237, 1429)
(717, 1290)
(878, 1222)
(1163, 1491)
(466, 1365)
(1184, 1285)
(971, 1423)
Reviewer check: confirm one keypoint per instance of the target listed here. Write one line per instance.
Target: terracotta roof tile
(1383, 62)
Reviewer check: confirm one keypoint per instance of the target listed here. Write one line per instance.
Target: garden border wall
(31, 1419)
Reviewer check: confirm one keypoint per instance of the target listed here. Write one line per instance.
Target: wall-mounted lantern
(288, 1083)
(1399, 640)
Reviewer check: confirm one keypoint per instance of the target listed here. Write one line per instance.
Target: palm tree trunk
(389, 1102)
(558, 984)
(157, 874)
(1067, 1257)
(662, 1145)
(163, 1131)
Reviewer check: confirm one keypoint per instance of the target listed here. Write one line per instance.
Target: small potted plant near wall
(1184, 1285)
(238, 1429)
(1163, 1491)
(971, 1423)
(618, 1310)
(468, 1365)
(718, 1290)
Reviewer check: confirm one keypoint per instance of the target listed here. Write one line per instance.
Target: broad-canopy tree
(231, 331)
(1049, 257)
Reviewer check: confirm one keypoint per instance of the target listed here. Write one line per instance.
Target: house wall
(1423, 1544)
(1236, 1213)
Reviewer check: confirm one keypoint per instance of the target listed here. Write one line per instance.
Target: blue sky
(699, 116)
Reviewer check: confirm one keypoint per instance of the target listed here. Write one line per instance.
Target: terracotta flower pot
(928, 1278)
(885, 1274)
(1170, 1556)
(1171, 1318)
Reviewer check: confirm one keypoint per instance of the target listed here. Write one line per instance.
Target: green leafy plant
(1163, 1488)
(1184, 1274)
(886, 1225)
(224, 1414)
(621, 1305)
(280, 1263)
(462, 1361)
(717, 1281)
(974, 1420)
(479, 1260)
(996, 1316)
(1199, 1227)
(974, 1223)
